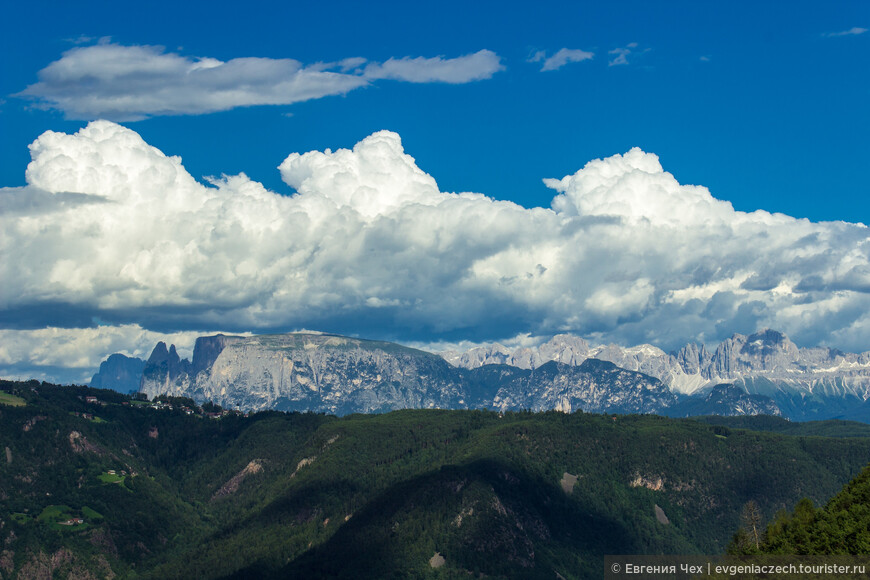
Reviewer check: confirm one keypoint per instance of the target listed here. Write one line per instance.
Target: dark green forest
(841, 526)
(95, 484)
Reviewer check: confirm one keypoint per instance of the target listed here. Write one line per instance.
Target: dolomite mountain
(303, 372)
(761, 373)
(119, 372)
(805, 383)
(336, 374)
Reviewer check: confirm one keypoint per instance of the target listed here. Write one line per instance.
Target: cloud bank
(111, 229)
(128, 83)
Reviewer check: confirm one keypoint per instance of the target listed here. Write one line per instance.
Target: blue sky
(764, 104)
(774, 118)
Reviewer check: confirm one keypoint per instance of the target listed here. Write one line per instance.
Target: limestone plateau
(763, 373)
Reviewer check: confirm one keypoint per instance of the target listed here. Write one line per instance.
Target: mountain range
(763, 373)
(804, 383)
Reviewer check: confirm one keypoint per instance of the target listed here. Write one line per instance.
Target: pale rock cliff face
(766, 373)
(805, 383)
(334, 374)
(767, 351)
(315, 372)
(573, 350)
(166, 372)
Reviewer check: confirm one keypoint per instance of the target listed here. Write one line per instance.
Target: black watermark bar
(735, 567)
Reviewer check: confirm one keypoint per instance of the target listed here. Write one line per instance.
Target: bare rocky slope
(304, 372)
(341, 375)
(805, 383)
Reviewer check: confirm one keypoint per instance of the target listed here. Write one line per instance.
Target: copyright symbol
(615, 568)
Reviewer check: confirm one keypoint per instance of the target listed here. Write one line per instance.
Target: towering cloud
(110, 228)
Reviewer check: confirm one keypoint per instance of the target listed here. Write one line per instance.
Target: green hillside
(842, 526)
(172, 493)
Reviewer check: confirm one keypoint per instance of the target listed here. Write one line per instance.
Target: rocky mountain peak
(767, 342)
(734, 400)
(159, 354)
(726, 399)
(120, 373)
(765, 350)
(692, 358)
(165, 365)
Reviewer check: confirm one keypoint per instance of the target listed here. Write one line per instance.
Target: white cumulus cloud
(126, 83)
(110, 228)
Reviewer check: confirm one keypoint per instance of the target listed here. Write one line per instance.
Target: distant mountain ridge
(807, 383)
(341, 375)
(305, 372)
(766, 353)
(725, 399)
(120, 373)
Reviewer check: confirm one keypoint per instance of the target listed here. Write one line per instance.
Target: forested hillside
(114, 486)
(841, 526)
